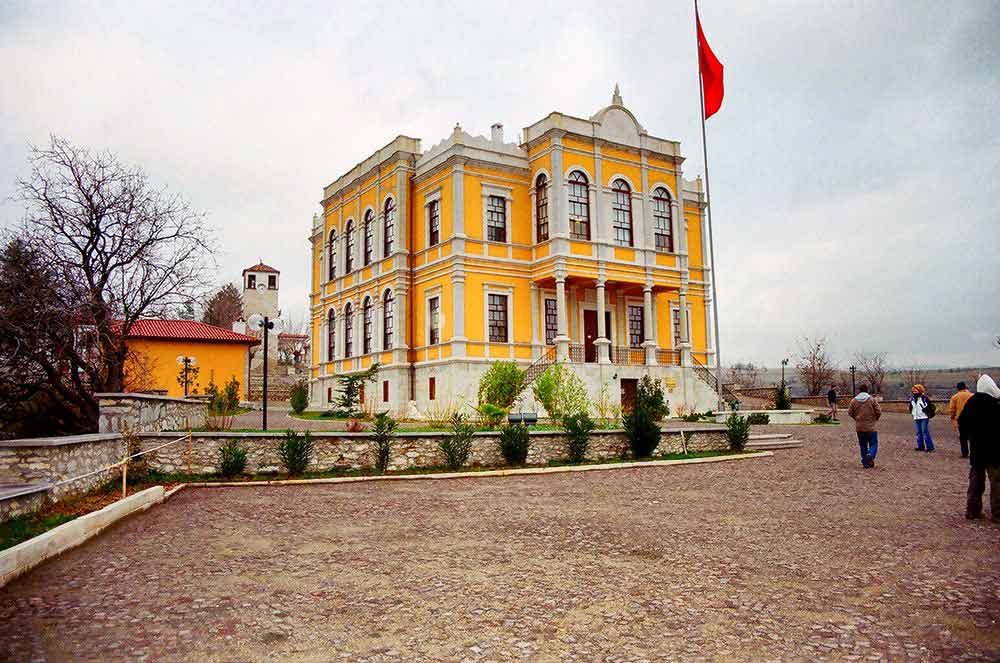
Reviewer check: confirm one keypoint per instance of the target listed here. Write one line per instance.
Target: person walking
(922, 410)
(979, 422)
(866, 412)
(831, 398)
(955, 407)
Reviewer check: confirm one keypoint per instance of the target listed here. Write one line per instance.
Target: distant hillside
(940, 382)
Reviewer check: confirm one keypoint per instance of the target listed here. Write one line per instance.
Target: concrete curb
(167, 495)
(486, 473)
(27, 555)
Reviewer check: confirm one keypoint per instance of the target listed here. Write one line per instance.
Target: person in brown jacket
(955, 407)
(866, 412)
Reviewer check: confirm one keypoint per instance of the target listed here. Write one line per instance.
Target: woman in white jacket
(921, 422)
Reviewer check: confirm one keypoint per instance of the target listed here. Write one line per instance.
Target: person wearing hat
(922, 410)
(980, 423)
(955, 407)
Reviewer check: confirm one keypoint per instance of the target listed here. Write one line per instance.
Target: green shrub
(650, 393)
(561, 392)
(348, 398)
(502, 383)
(231, 394)
(642, 430)
(578, 428)
(824, 419)
(299, 397)
(296, 452)
(232, 458)
(383, 433)
(781, 400)
(759, 418)
(693, 417)
(514, 443)
(491, 416)
(737, 431)
(457, 446)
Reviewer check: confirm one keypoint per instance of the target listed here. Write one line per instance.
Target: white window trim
(673, 327)
(436, 292)
(508, 292)
(506, 193)
(383, 254)
(363, 234)
(433, 196)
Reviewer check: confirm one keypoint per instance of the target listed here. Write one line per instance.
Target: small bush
(514, 443)
(296, 452)
(561, 392)
(781, 400)
(299, 397)
(502, 383)
(232, 458)
(737, 431)
(457, 446)
(231, 394)
(383, 433)
(490, 415)
(642, 430)
(759, 418)
(824, 419)
(650, 393)
(138, 467)
(578, 428)
(693, 417)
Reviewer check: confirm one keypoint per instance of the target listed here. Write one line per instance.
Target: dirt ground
(799, 557)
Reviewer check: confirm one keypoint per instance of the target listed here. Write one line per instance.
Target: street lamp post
(267, 325)
(784, 362)
(854, 389)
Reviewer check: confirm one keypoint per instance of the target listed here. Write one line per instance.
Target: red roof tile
(186, 330)
(261, 267)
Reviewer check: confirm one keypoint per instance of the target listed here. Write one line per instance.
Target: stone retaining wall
(333, 450)
(149, 412)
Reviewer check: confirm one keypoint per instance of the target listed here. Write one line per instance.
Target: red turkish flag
(711, 73)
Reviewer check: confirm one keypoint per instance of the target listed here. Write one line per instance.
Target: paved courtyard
(803, 556)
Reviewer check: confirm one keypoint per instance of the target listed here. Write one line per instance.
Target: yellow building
(582, 244)
(213, 353)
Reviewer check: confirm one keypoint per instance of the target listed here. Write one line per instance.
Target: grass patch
(21, 529)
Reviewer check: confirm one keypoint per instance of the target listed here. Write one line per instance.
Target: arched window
(348, 330)
(621, 212)
(349, 249)
(579, 206)
(662, 220)
(367, 324)
(390, 226)
(369, 236)
(542, 208)
(331, 335)
(332, 250)
(388, 303)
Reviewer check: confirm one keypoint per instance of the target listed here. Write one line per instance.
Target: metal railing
(708, 378)
(540, 365)
(628, 356)
(668, 357)
(577, 353)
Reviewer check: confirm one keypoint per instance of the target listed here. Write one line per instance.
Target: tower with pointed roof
(260, 290)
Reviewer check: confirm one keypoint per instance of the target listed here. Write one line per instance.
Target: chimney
(497, 133)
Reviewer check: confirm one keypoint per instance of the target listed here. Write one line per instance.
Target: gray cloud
(853, 163)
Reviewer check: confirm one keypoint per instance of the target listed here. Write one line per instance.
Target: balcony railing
(577, 353)
(668, 357)
(628, 356)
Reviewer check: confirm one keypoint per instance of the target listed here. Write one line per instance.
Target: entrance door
(629, 387)
(589, 334)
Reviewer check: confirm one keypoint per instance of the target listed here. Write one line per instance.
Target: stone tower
(260, 290)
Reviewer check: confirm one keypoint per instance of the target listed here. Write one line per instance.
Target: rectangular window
(551, 321)
(431, 388)
(636, 326)
(433, 315)
(251, 281)
(498, 318)
(385, 391)
(542, 209)
(272, 282)
(496, 219)
(675, 317)
(329, 394)
(434, 223)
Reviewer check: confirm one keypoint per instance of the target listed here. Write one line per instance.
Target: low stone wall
(334, 450)
(149, 412)
(844, 401)
(774, 416)
(44, 461)
(820, 401)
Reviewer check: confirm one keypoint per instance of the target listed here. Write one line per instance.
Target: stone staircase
(772, 441)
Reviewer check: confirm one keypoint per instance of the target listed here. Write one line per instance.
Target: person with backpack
(866, 412)
(979, 422)
(955, 407)
(923, 410)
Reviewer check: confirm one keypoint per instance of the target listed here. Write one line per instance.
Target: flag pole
(708, 211)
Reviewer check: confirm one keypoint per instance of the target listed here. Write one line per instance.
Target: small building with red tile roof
(157, 347)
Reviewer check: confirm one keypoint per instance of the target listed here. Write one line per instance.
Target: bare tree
(815, 368)
(745, 374)
(914, 375)
(872, 366)
(224, 307)
(118, 248)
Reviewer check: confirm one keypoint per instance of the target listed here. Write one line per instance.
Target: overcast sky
(854, 162)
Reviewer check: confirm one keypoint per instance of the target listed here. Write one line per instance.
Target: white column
(399, 320)
(534, 316)
(458, 346)
(647, 322)
(602, 342)
(685, 346)
(562, 338)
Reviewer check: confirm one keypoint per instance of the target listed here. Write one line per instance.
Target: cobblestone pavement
(801, 557)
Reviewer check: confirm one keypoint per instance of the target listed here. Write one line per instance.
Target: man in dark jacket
(980, 424)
